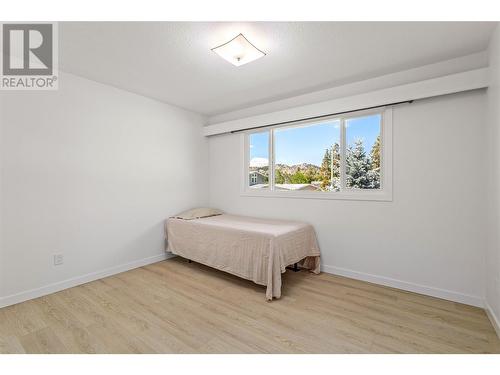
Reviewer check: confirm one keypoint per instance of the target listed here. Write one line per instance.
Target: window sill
(383, 196)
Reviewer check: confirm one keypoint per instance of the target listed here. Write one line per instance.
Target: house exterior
(256, 178)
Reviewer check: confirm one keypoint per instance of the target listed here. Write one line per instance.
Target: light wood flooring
(179, 307)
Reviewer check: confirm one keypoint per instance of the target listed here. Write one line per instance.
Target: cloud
(259, 162)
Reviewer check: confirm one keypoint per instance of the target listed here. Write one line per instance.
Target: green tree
(298, 178)
(375, 155)
(311, 175)
(279, 178)
(331, 159)
(336, 165)
(374, 173)
(325, 169)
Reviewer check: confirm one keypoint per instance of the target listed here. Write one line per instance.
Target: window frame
(382, 194)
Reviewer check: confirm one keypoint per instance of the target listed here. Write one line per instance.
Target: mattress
(252, 248)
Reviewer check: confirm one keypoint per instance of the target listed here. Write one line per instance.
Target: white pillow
(197, 213)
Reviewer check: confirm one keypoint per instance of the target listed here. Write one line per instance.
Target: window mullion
(271, 160)
(342, 155)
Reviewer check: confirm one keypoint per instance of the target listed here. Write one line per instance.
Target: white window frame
(382, 194)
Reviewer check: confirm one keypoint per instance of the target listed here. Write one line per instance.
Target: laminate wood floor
(179, 307)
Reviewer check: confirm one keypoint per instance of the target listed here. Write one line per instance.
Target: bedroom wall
(493, 254)
(90, 172)
(421, 73)
(431, 238)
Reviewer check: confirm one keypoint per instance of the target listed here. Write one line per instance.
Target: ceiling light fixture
(238, 51)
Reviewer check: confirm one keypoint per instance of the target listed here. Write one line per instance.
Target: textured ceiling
(172, 61)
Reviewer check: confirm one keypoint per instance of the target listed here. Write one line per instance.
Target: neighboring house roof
(295, 187)
(290, 187)
(257, 172)
(259, 186)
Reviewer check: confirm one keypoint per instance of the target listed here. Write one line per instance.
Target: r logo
(27, 49)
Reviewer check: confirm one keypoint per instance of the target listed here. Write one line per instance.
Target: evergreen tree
(357, 167)
(336, 166)
(375, 155)
(374, 178)
(374, 174)
(330, 159)
(324, 171)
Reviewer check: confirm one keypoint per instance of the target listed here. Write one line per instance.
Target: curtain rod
(320, 116)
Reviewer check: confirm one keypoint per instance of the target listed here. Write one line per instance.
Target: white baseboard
(495, 321)
(417, 288)
(404, 285)
(69, 283)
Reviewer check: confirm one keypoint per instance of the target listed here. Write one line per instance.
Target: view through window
(341, 154)
(307, 157)
(363, 152)
(258, 171)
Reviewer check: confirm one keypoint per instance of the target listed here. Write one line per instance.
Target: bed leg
(296, 267)
(189, 261)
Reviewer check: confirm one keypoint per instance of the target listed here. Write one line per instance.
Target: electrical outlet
(58, 259)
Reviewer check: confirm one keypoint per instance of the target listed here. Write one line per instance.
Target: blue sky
(365, 128)
(307, 144)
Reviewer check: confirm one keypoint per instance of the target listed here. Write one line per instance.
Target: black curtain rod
(320, 116)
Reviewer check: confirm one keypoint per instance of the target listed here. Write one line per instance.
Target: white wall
(431, 237)
(493, 254)
(422, 73)
(90, 171)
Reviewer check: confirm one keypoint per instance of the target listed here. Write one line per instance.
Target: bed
(252, 248)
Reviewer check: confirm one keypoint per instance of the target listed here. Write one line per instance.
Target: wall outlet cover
(58, 259)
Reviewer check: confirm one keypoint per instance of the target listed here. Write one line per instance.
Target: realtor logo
(29, 56)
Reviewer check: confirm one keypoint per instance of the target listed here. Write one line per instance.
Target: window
(362, 156)
(303, 157)
(338, 158)
(258, 169)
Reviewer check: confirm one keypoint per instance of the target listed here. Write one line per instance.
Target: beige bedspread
(254, 249)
